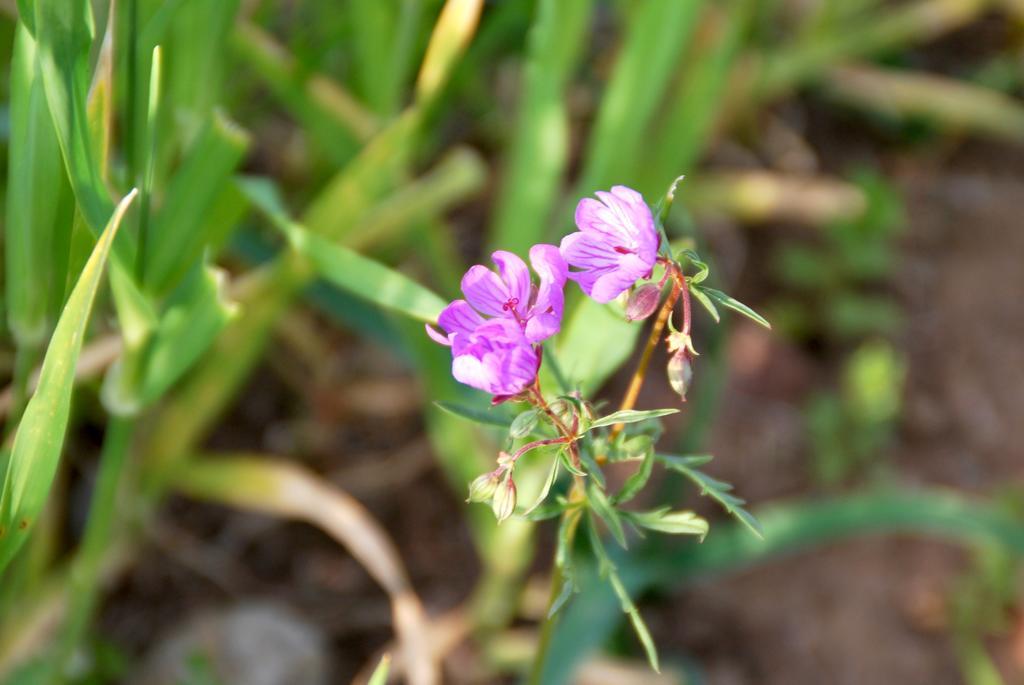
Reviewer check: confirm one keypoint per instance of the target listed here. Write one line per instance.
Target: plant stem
(85, 569)
(633, 391)
(570, 518)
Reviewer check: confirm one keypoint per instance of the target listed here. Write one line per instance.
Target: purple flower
(616, 246)
(495, 357)
(498, 354)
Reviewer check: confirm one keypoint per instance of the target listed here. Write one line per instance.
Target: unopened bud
(680, 372)
(642, 302)
(482, 488)
(504, 501)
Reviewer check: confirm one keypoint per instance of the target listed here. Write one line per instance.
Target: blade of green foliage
(329, 115)
(631, 416)
(734, 304)
(603, 509)
(538, 149)
(712, 487)
(380, 674)
(180, 227)
(789, 528)
(690, 115)
(372, 44)
(195, 314)
(608, 570)
(588, 359)
(493, 417)
(40, 437)
(197, 65)
(637, 480)
(664, 520)
(40, 205)
(64, 33)
(655, 39)
(349, 270)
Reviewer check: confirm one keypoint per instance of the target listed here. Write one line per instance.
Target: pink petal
(459, 317)
(595, 218)
(485, 291)
(436, 336)
(589, 251)
(515, 275)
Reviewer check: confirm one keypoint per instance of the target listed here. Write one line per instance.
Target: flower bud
(482, 488)
(504, 501)
(680, 372)
(642, 302)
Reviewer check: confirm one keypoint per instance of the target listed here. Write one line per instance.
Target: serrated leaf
(664, 520)
(606, 511)
(630, 416)
(483, 417)
(637, 480)
(702, 268)
(712, 487)
(699, 295)
(40, 435)
(735, 305)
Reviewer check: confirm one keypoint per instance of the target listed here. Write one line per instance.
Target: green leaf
(658, 33)
(40, 435)
(608, 570)
(716, 489)
(548, 482)
(484, 417)
(348, 269)
(631, 416)
(735, 305)
(588, 359)
(180, 230)
(524, 424)
(673, 522)
(568, 589)
(702, 268)
(538, 149)
(380, 674)
(196, 313)
(40, 205)
(699, 295)
(600, 505)
(636, 482)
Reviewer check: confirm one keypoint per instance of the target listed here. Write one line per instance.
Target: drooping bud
(680, 372)
(642, 302)
(504, 500)
(482, 488)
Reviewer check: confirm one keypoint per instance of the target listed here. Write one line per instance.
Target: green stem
(85, 569)
(547, 630)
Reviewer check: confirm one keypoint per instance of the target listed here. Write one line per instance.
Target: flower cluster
(495, 332)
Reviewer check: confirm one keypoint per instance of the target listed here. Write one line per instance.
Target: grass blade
(179, 228)
(538, 150)
(40, 437)
(654, 42)
(349, 270)
(39, 204)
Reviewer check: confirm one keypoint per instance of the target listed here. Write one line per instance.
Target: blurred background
(854, 171)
